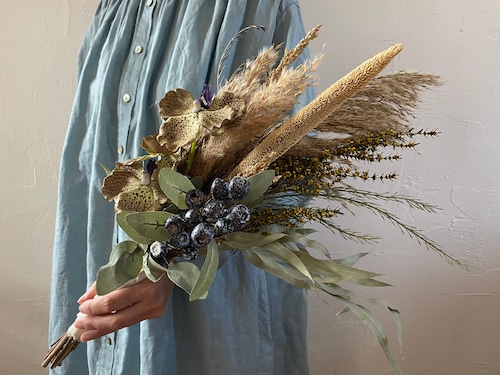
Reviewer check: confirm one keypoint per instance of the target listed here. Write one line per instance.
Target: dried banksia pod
(291, 131)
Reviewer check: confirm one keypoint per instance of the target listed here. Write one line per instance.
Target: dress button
(149, 3)
(120, 150)
(138, 50)
(127, 98)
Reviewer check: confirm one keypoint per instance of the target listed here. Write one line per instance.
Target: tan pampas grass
(291, 55)
(277, 97)
(251, 75)
(268, 102)
(268, 105)
(290, 132)
(387, 102)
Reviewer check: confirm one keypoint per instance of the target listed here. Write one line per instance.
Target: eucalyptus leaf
(175, 186)
(370, 282)
(337, 290)
(207, 274)
(307, 242)
(277, 269)
(350, 261)
(197, 182)
(149, 225)
(125, 263)
(367, 317)
(303, 231)
(131, 232)
(281, 253)
(331, 269)
(259, 183)
(152, 269)
(397, 319)
(395, 316)
(239, 240)
(184, 275)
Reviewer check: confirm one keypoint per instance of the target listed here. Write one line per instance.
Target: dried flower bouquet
(236, 170)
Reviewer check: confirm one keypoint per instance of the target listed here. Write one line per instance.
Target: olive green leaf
(375, 326)
(351, 260)
(125, 263)
(297, 237)
(197, 182)
(334, 271)
(184, 275)
(207, 273)
(259, 183)
(277, 269)
(131, 232)
(280, 253)
(175, 186)
(149, 225)
(152, 269)
(239, 240)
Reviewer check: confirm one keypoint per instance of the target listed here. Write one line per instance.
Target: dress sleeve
(91, 33)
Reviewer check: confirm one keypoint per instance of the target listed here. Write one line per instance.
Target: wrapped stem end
(60, 350)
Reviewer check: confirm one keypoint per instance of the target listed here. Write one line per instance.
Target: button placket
(131, 78)
(127, 99)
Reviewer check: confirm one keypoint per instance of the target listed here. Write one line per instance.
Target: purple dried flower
(206, 96)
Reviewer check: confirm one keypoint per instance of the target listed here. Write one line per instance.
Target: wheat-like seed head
(291, 55)
(291, 131)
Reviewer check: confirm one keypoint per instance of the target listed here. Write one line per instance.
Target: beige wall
(451, 318)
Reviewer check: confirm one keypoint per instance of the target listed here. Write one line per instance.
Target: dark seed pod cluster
(204, 220)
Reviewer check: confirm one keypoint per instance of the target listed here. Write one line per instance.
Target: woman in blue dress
(134, 52)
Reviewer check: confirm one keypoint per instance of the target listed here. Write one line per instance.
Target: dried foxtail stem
(291, 131)
(388, 102)
(291, 55)
(61, 348)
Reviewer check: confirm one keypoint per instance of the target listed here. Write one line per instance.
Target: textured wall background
(451, 318)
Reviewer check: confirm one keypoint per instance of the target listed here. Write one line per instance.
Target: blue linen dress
(134, 52)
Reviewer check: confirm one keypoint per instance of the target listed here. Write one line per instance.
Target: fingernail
(79, 300)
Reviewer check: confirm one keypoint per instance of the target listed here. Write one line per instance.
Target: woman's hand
(122, 307)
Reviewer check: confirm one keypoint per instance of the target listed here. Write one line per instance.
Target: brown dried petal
(122, 178)
(227, 99)
(216, 119)
(152, 146)
(139, 199)
(179, 131)
(234, 108)
(158, 194)
(166, 161)
(176, 103)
